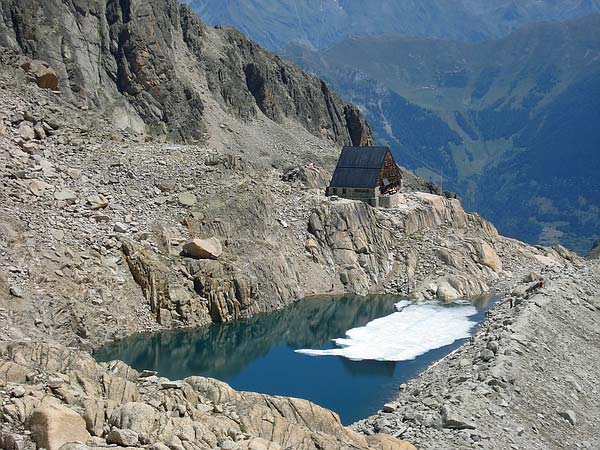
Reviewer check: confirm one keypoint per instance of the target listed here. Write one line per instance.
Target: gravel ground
(527, 380)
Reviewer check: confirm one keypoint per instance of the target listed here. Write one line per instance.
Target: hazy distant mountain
(320, 23)
(511, 123)
(514, 123)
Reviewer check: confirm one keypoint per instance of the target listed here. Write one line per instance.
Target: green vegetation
(513, 123)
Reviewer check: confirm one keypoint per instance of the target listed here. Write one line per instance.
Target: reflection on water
(222, 350)
(258, 354)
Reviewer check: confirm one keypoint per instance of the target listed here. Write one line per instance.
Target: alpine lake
(291, 352)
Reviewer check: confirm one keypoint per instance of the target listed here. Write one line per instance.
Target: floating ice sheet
(412, 331)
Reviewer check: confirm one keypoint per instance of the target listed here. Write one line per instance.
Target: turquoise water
(259, 354)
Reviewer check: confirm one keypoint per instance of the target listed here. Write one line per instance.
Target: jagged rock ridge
(322, 23)
(157, 68)
(93, 222)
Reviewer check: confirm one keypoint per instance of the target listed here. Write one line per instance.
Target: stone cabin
(369, 174)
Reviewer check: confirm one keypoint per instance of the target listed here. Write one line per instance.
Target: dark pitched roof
(359, 167)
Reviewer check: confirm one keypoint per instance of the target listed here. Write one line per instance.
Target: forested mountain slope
(510, 122)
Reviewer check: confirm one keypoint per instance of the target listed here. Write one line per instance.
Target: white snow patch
(412, 331)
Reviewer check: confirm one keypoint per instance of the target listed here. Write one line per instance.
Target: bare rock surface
(163, 131)
(200, 412)
(210, 248)
(518, 383)
(167, 70)
(53, 425)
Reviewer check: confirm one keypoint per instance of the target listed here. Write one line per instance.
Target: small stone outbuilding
(369, 174)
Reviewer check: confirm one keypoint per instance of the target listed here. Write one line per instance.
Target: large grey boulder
(125, 438)
(452, 418)
(446, 292)
(204, 248)
(54, 425)
(44, 75)
(135, 416)
(74, 446)
(487, 256)
(187, 199)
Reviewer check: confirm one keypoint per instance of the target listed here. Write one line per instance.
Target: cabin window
(335, 190)
(344, 191)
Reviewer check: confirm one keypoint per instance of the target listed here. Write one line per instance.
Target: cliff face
(93, 222)
(156, 61)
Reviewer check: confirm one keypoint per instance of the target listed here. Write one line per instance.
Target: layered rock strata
(156, 68)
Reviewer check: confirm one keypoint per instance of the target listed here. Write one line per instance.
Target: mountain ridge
(321, 23)
(491, 117)
(157, 63)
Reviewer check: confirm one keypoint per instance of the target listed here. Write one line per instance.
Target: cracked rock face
(156, 61)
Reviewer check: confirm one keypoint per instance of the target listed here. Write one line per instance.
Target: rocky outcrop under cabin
(100, 193)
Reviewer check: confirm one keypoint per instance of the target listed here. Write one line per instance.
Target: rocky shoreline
(479, 396)
(526, 380)
(53, 395)
(153, 131)
(92, 252)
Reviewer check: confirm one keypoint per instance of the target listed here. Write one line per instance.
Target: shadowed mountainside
(321, 23)
(514, 133)
(158, 69)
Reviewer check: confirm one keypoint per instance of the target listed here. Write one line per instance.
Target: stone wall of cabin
(369, 196)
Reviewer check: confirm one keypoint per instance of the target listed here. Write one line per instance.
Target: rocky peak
(154, 66)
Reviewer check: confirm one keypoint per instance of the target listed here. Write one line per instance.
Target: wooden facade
(390, 179)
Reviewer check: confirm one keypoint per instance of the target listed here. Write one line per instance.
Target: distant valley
(322, 23)
(513, 134)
